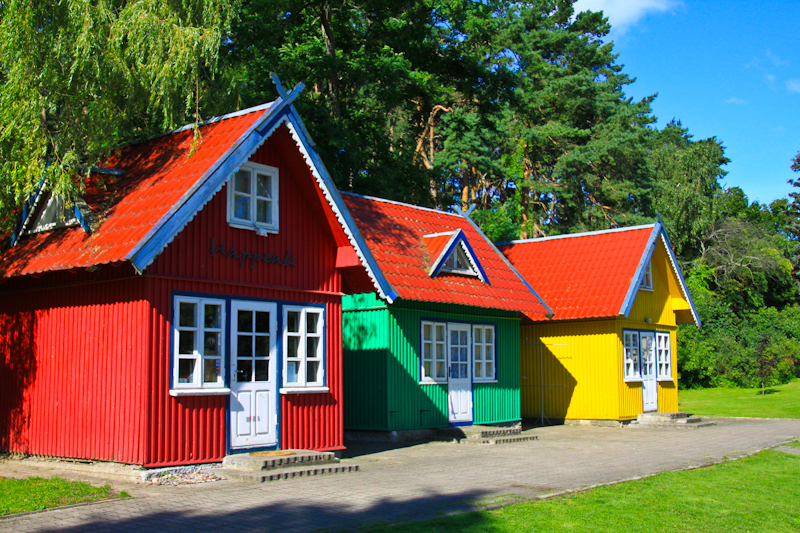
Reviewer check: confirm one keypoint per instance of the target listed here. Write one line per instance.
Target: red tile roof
(394, 234)
(157, 174)
(585, 275)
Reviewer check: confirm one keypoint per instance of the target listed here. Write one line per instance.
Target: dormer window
(253, 198)
(647, 278)
(458, 263)
(56, 214)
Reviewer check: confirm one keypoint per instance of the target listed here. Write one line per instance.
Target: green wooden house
(437, 343)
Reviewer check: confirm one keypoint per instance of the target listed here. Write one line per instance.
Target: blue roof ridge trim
(164, 231)
(550, 312)
(395, 202)
(582, 234)
(644, 260)
(331, 193)
(458, 238)
(211, 120)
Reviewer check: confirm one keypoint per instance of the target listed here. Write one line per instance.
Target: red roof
(394, 233)
(587, 275)
(157, 174)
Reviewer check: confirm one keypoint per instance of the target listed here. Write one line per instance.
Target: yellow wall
(582, 360)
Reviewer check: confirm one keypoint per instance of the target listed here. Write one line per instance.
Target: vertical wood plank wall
(73, 366)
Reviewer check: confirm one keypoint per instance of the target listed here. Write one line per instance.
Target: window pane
(440, 370)
(264, 186)
(490, 353)
(312, 371)
(186, 342)
(211, 343)
(262, 370)
(242, 181)
(478, 334)
(293, 347)
(489, 335)
(185, 370)
(262, 322)
(427, 332)
(241, 207)
(262, 346)
(213, 316)
(244, 321)
(489, 370)
(426, 351)
(312, 322)
(312, 347)
(479, 353)
(426, 368)
(244, 346)
(478, 370)
(463, 338)
(463, 352)
(463, 370)
(440, 333)
(454, 338)
(244, 370)
(293, 321)
(186, 319)
(211, 371)
(440, 352)
(264, 211)
(292, 371)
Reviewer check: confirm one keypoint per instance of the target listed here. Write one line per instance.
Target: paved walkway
(419, 481)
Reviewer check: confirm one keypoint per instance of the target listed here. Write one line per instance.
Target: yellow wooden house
(609, 352)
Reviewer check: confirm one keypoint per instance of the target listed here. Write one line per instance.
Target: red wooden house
(188, 305)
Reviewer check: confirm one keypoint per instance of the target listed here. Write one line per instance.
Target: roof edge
(582, 234)
(395, 202)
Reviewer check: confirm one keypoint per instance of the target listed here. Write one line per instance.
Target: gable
(451, 253)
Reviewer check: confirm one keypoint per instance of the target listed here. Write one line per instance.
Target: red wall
(71, 361)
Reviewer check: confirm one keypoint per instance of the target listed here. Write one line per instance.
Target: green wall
(382, 365)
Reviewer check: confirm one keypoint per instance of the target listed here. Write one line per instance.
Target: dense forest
(517, 108)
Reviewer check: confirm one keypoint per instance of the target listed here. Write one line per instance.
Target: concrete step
(662, 417)
(693, 425)
(284, 473)
(298, 458)
(511, 439)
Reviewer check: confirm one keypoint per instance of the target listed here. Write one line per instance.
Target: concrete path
(419, 481)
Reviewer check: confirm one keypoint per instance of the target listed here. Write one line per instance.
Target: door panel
(649, 382)
(459, 342)
(253, 388)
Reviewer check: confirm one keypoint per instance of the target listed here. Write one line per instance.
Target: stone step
(284, 473)
(511, 439)
(498, 432)
(662, 417)
(298, 458)
(692, 425)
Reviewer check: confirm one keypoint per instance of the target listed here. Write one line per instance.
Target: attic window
(56, 214)
(647, 278)
(458, 263)
(253, 198)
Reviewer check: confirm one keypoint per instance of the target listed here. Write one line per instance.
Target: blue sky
(726, 69)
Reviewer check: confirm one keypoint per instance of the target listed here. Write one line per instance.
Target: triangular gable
(659, 234)
(442, 246)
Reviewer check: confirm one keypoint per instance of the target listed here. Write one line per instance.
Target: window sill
(260, 230)
(666, 379)
(633, 380)
(200, 392)
(432, 382)
(484, 381)
(303, 390)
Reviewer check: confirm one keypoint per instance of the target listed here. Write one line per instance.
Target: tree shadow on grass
(767, 391)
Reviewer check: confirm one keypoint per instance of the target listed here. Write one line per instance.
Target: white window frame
(197, 386)
(438, 365)
(458, 257)
(631, 356)
(663, 356)
(485, 348)
(647, 278)
(55, 214)
(262, 228)
(303, 357)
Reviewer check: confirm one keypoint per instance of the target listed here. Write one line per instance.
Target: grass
(758, 493)
(781, 401)
(35, 494)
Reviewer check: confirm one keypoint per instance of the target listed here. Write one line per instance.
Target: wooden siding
(387, 342)
(580, 371)
(73, 367)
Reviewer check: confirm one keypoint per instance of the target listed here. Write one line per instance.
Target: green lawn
(781, 401)
(35, 493)
(758, 493)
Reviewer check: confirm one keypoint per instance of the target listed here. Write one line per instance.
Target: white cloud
(624, 13)
(769, 78)
(778, 62)
(735, 100)
(793, 85)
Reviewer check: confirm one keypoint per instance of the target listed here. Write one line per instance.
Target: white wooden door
(649, 379)
(459, 383)
(253, 411)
